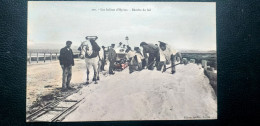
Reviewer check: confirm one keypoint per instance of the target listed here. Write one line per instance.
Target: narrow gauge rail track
(55, 111)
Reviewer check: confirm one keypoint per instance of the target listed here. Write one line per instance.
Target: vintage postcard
(118, 61)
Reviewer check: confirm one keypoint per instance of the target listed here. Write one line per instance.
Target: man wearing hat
(169, 54)
(140, 58)
(163, 59)
(154, 55)
(112, 58)
(132, 60)
(66, 62)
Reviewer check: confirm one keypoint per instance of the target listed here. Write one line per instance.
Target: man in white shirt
(169, 54)
(140, 57)
(162, 63)
(132, 59)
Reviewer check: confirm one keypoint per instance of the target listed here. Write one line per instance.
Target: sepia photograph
(121, 61)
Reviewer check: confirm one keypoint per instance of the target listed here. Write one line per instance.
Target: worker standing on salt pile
(154, 55)
(66, 62)
(170, 55)
(162, 63)
(140, 57)
(132, 59)
(112, 59)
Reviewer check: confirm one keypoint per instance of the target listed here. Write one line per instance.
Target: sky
(182, 25)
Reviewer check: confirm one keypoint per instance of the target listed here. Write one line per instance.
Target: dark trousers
(132, 68)
(173, 59)
(143, 63)
(140, 67)
(153, 59)
(134, 65)
(103, 62)
(66, 76)
(111, 66)
(161, 65)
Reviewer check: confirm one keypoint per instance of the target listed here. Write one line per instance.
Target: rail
(45, 56)
(60, 111)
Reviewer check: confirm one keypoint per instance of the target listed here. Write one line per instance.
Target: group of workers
(153, 55)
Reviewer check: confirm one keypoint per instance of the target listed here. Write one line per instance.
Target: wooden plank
(51, 56)
(70, 101)
(56, 110)
(60, 107)
(44, 57)
(37, 57)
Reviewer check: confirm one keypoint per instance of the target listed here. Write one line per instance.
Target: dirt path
(46, 78)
